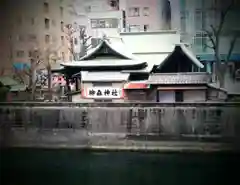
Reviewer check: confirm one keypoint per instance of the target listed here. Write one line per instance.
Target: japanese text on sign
(104, 92)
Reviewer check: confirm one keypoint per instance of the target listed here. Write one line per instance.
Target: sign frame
(106, 93)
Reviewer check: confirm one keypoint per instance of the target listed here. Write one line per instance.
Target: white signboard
(104, 92)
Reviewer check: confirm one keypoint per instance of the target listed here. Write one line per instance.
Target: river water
(75, 167)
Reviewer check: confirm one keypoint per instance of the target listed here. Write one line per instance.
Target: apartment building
(148, 15)
(114, 16)
(30, 25)
(198, 15)
(39, 24)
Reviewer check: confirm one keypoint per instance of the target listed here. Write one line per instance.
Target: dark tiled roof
(179, 78)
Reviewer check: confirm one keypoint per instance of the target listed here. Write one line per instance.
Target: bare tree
(84, 38)
(49, 57)
(72, 33)
(215, 34)
(70, 37)
(38, 59)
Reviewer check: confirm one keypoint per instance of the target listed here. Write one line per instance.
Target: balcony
(179, 78)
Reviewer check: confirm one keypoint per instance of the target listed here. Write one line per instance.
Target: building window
(146, 11)
(134, 28)
(54, 39)
(168, 15)
(61, 11)
(62, 26)
(200, 41)
(46, 7)
(114, 4)
(32, 21)
(47, 39)
(183, 15)
(19, 20)
(47, 23)
(102, 24)
(62, 40)
(20, 38)
(32, 37)
(34, 54)
(94, 23)
(200, 20)
(20, 53)
(88, 9)
(105, 23)
(133, 12)
(146, 27)
(53, 22)
(75, 41)
(63, 56)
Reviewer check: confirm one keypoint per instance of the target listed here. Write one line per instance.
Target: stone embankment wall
(82, 125)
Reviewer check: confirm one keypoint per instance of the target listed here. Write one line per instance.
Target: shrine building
(110, 73)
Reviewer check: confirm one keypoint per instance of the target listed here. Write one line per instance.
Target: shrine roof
(188, 53)
(103, 62)
(108, 53)
(147, 69)
(104, 76)
(116, 45)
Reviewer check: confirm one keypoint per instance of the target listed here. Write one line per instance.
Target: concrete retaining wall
(85, 125)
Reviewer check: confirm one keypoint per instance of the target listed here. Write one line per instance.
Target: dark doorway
(179, 96)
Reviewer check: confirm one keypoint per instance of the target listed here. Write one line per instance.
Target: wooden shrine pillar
(76, 83)
(68, 87)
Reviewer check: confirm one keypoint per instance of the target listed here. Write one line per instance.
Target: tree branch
(38, 62)
(88, 46)
(27, 72)
(224, 14)
(70, 50)
(232, 44)
(18, 74)
(208, 46)
(86, 39)
(214, 31)
(211, 38)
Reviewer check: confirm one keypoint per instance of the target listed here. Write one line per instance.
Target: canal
(76, 167)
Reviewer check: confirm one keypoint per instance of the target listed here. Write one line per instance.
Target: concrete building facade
(39, 24)
(198, 15)
(30, 25)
